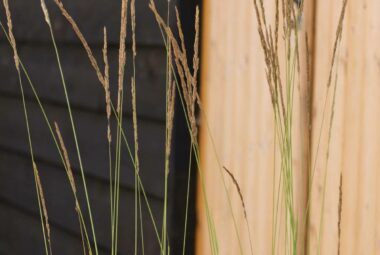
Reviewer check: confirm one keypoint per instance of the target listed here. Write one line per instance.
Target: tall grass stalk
(169, 112)
(47, 121)
(117, 113)
(134, 120)
(183, 78)
(108, 111)
(334, 82)
(124, 139)
(238, 189)
(113, 111)
(102, 79)
(187, 200)
(333, 72)
(138, 211)
(71, 179)
(187, 93)
(282, 97)
(72, 122)
(188, 97)
(120, 98)
(39, 190)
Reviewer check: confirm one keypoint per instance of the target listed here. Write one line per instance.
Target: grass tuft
(183, 76)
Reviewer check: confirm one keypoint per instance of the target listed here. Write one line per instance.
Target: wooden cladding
(241, 137)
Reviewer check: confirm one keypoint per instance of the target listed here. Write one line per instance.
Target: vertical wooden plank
(324, 236)
(352, 151)
(355, 146)
(239, 113)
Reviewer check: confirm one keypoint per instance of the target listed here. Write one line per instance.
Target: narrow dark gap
(311, 47)
(181, 159)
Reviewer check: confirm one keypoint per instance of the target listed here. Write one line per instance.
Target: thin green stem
(75, 138)
(187, 202)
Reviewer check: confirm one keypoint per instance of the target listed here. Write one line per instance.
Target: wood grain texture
(239, 112)
(237, 104)
(354, 147)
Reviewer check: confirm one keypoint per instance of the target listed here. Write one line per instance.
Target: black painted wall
(20, 227)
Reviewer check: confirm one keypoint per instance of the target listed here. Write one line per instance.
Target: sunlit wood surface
(239, 114)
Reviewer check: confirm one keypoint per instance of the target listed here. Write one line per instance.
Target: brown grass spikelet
(103, 78)
(269, 43)
(133, 85)
(196, 51)
(133, 18)
(122, 52)
(70, 176)
(66, 159)
(10, 34)
(45, 11)
(81, 37)
(182, 56)
(42, 201)
(170, 116)
(107, 84)
(170, 97)
(338, 36)
(188, 80)
(134, 116)
(237, 186)
(180, 33)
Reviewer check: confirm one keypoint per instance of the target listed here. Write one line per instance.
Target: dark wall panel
(90, 15)
(19, 216)
(17, 185)
(21, 234)
(83, 86)
(91, 131)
